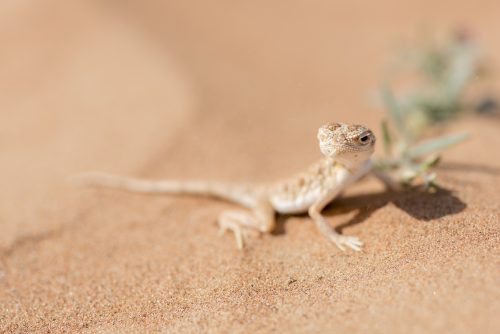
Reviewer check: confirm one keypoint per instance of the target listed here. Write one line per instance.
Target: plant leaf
(392, 106)
(386, 136)
(435, 144)
(429, 162)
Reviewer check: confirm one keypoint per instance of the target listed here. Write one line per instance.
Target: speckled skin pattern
(347, 149)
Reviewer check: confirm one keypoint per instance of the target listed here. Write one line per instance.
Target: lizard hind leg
(235, 221)
(240, 222)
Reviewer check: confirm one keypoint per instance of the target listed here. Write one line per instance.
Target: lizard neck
(350, 165)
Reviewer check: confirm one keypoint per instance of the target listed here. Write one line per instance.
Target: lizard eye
(364, 139)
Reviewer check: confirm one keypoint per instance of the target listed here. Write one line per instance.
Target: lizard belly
(295, 204)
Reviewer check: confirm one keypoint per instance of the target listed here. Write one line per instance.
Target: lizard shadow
(419, 204)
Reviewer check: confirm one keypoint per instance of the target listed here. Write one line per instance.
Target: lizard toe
(343, 241)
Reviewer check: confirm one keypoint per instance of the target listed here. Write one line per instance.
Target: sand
(233, 91)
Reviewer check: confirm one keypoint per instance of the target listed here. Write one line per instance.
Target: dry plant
(432, 80)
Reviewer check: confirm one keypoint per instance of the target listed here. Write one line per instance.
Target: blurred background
(206, 89)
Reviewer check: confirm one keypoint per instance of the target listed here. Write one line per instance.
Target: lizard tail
(240, 194)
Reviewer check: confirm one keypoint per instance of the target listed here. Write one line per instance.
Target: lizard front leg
(388, 181)
(341, 241)
(260, 218)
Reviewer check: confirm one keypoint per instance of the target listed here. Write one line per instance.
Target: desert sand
(232, 91)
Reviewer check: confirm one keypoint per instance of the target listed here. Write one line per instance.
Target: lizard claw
(343, 241)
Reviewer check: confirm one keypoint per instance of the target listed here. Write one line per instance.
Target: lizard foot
(240, 223)
(245, 224)
(237, 229)
(343, 241)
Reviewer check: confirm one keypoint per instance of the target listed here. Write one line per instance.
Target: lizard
(347, 151)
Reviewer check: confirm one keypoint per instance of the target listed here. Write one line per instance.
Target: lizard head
(348, 144)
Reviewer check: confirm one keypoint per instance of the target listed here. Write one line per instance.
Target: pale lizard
(347, 151)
